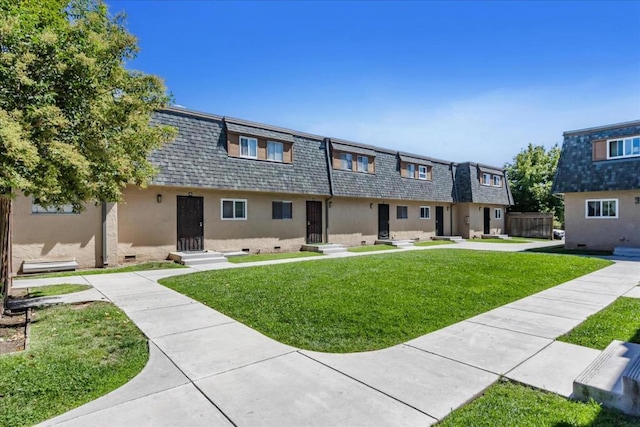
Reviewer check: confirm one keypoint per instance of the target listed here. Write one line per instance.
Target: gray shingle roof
(471, 191)
(578, 172)
(198, 158)
(387, 183)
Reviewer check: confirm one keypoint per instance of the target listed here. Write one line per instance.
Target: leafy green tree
(531, 178)
(74, 122)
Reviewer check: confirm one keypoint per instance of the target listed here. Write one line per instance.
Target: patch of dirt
(13, 326)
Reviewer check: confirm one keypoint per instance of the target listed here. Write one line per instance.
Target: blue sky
(453, 80)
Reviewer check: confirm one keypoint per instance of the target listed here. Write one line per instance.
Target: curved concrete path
(207, 369)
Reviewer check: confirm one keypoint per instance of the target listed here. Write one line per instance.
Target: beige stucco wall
(354, 222)
(602, 233)
(147, 229)
(473, 227)
(62, 236)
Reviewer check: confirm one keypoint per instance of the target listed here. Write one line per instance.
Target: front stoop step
(397, 243)
(496, 236)
(613, 379)
(627, 251)
(47, 266)
(457, 239)
(197, 258)
(329, 248)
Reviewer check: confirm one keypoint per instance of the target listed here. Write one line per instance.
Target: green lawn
(270, 257)
(372, 302)
(560, 249)
(507, 404)
(153, 265)
(511, 240)
(75, 354)
(51, 290)
(434, 243)
(619, 321)
(372, 248)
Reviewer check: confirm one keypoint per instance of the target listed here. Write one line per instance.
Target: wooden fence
(529, 224)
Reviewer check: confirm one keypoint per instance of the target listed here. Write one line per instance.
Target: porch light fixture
(159, 198)
(190, 194)
(330, 203)
(370, 205)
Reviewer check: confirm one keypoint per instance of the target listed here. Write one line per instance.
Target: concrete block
(541, 325)
(485, 347)
(293, 390)
(428, 382)
(217, 349)
(555, 367)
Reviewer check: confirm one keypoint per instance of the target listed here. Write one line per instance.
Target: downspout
(455, 195)
(105, 253)
(327, 144)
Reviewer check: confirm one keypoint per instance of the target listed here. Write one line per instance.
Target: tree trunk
(5, 249)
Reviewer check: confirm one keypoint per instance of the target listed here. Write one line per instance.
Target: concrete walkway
(207, 369)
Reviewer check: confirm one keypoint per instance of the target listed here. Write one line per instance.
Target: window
(363, 164)
(602, 208)
(497, 181)
(625, 147)
(346, 161)
(401, 212)
(411, 170)
(281, 210)
(274, 151)
(64, 209)
(234, 209)
(497, 213)
(423, 172)
(486, 179)
(248, 147)
(425, 212)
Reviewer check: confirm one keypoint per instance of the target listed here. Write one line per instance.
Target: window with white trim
(248, 147)
(64, 209)
(623, 147)
(411, 170)
(497, 181)
(275, 151)
(281, 210)
(233, 209)
(363, 164)
(402, 212)
(346, 161)
(602, 208)
(425, 212)
(497, 213)
(486, 179)
(422, 172)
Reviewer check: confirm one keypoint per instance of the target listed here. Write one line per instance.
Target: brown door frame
(314, 222)
(189, 223)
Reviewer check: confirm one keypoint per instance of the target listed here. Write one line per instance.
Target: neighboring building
(229, 185)
(599, 176)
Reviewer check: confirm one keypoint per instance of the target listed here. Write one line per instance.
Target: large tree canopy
(531, 179)
(74, 121)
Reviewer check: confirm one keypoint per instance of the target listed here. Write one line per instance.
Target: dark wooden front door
(190, 227)
(439, 221)
(383, 221)
(314, 222)
(487, 220)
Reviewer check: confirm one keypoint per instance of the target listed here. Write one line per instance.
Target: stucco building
(599, 176)
(229, 185)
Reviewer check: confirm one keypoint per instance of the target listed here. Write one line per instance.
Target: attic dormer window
(624, 147)
(486, 179)
(248, 147)
(497, 181)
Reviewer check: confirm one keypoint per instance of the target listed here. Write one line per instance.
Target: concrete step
(456, 239)
(46, 266)
(197, 258)
(613, 378)
(329, 248)
(495, 236)
(629, 251)
(406, 243)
